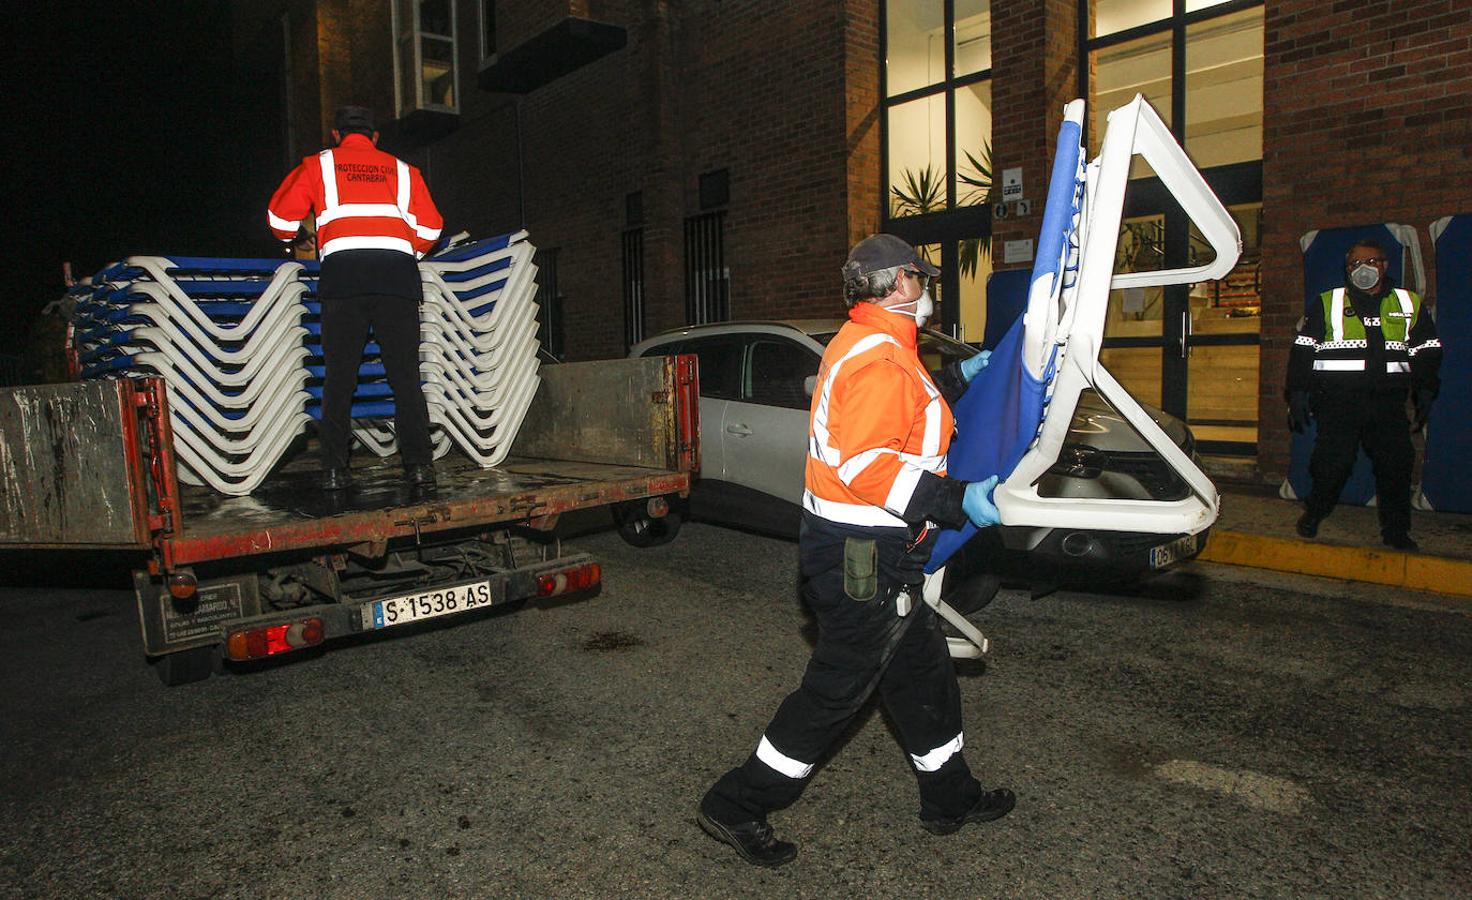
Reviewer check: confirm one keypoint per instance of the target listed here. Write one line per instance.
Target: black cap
(883, 251)
(349, 119)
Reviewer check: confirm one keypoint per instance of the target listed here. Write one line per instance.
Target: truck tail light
(183, 584)
(271, 640)
(578, 578)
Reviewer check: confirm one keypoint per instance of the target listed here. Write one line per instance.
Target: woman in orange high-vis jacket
(877, 490)
(374, 218)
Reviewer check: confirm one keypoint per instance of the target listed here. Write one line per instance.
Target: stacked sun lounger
(238, 343)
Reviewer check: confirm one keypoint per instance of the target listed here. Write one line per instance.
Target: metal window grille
(549, 303)
(707, 281)
(633, 256)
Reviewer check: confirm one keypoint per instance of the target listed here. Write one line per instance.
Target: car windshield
(936, 350)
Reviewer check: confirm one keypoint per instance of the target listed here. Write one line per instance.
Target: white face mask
(1364, 276)
(924, 307)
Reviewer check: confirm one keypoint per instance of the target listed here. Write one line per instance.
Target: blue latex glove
(978, 504)
(973, 364)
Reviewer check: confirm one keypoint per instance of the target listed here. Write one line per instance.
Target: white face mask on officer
(1364, 276)
(923, 308)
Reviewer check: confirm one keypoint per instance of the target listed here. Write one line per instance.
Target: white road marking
(1263, 791)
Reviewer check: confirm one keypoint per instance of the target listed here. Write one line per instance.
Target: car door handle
(738, 429)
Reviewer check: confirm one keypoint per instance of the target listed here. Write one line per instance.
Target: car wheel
(970, 594)
(637, 527)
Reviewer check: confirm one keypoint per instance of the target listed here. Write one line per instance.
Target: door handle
(738, 429)
(1185, 332)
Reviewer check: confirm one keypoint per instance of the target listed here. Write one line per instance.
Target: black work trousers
(1375, 420)
(862, 645)
(394, 322)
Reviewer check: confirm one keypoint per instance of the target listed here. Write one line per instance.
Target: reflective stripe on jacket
(1338, 348)
(363, 199)
(877, 423)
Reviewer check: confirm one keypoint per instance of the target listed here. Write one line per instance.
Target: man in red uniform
(374, 218)
(879, 430)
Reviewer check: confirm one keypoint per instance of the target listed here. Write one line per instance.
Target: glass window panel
(974, 261)
(439, 72)
(1221, 398)
(917, 156)
(915, 50)
(434, 17)
(1193, 5)
(1116, 15)
(1138, 312)
(408, 93)
(1224, 89)
(1140, 66)
(973, 143)
(719, 362)
(973, 36)
(1137, 369)
(778, 372)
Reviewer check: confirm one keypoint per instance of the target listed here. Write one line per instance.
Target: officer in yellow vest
(1359, 351)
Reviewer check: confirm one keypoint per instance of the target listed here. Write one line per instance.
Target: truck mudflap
(227, 612)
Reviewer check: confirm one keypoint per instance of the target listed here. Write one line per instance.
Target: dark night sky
(125, 136)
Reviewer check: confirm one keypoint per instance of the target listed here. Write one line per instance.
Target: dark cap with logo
(883, 251)
(353, 119)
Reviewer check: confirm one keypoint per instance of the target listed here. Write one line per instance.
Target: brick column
(1367, 117)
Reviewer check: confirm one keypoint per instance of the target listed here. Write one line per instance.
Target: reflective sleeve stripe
(822, 441)
(1407, 308)
(851, 469)
(931, 443)
(371, 242)
(1339, 365)
(938, 757)
(902, 489)
(1399, 366)
(1344, 345)
(281, 224)
(358, 211)
(329, 180)
(1395, 345)
(1371, 320)
(1434, 343)
(849, 513)
(408, 216)
(1336, 314)
(1304, 340)
(780, 762)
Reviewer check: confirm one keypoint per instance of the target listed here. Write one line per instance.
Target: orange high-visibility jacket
(363, 199)
(878, 422)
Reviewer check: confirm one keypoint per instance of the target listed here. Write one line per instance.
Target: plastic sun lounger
(1071, 316)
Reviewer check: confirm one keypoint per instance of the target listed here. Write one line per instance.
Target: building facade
(688, 162)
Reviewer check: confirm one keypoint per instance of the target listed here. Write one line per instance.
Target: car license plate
(1175, 551)
(427, 604)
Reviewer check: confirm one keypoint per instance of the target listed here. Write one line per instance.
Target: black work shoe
(337, 479)
(1307, 526)
(1402, 542)
(753, 840)
(991, 805)
(421, 475)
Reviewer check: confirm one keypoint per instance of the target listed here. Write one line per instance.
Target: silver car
(756, 383)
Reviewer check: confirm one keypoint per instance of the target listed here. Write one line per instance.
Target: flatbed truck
(90, 466)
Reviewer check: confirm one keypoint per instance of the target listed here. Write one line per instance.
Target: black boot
(754, 841)
(336, 479)
(420, 475)
(991, 805)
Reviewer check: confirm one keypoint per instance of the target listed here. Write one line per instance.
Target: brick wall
(1034, 73)
(1367, 118)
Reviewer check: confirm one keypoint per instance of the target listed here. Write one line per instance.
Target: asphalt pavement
(1221, 732)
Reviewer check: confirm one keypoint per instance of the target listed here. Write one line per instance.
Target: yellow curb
(1389, 567)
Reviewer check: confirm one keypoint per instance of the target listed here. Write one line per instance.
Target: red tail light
(274, 639)
(578, 578)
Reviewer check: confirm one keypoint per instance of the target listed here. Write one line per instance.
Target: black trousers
(1375, 420)
(394, 322)
(862, 646)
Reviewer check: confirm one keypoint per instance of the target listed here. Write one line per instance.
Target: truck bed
(290, 511)
(91, 464)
